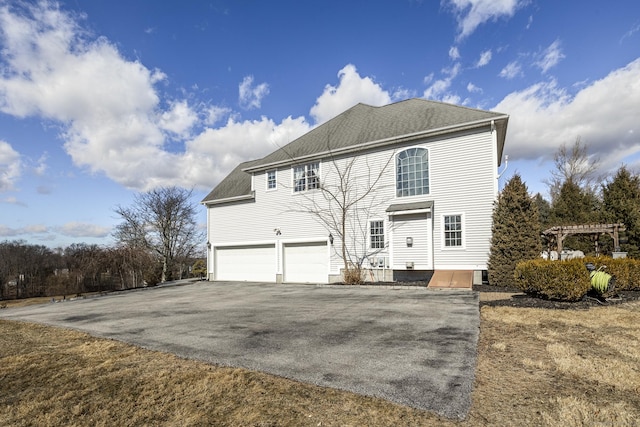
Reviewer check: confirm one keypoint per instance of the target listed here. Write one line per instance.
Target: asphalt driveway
(416, 347)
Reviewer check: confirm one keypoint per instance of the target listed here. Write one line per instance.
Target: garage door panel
(246, 263)
(306, 262)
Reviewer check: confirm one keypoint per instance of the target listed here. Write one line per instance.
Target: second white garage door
(246, 263)
(306, 262)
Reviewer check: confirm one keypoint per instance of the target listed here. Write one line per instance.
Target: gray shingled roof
(236, 184)
(360, 125)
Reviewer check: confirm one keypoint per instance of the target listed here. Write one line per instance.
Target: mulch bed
(520, 299)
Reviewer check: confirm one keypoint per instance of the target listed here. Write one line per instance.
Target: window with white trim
(271, 180)
(452, 231)
(412, 172)
(306, 177)
(376, 233)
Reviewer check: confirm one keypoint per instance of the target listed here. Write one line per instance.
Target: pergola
(560, 232)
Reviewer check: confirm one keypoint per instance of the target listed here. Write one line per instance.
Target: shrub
(625, 270)
(560, 280)
(353, 275)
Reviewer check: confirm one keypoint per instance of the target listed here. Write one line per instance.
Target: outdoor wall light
(409, 242)
(209, 245)
(331, 238)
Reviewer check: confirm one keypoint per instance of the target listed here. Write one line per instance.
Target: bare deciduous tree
(573, 164)
(164, 222)
(348, 194)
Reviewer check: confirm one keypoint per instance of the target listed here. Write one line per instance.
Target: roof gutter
(250, 196)
(378, 143)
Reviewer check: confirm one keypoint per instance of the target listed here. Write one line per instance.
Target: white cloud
(485, 58)
(71, 229)
(549, 57)
(10, 166)
(512, 70)
(438, 89)
(41, 167)
(452, 99)
(214, 114)
(179, 119)
(116, 122)
(428, 79)
(250, 96)
(30, 229)
(454, 53)
(473, 88)
(80, 229)
(351, 90)
(110, 110)
(631, 32)
(215, 152)
(472, 13)
(13, 201)
(544, 116)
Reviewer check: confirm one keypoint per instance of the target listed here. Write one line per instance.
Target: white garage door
(306, 263)
(246, 263)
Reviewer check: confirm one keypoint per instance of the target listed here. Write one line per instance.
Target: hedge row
(569, 280)
(561, 280)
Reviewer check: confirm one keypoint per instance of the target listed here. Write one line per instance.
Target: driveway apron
(416, 347)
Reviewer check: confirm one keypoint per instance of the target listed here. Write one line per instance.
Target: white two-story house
(409, 186)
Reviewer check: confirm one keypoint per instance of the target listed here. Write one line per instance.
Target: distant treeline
(28, 270)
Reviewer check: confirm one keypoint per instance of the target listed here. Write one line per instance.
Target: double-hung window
(271, 180)
(306, 177)
(412, 172)
(376, 233)
(452, 231)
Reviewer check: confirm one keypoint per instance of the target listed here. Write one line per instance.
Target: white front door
(412, 241)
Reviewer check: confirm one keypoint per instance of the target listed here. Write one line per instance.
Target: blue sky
(102, 99)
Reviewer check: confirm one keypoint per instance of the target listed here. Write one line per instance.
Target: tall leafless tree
(573, 164)
(162, 221)
(347, 194)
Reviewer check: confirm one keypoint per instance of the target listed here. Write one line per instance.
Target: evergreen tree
(621, 203)
(544, 211)
(515, 232)
(575, 206)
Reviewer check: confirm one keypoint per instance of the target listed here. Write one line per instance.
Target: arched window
(412, 172)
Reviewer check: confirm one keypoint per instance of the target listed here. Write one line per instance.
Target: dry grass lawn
(535, 367)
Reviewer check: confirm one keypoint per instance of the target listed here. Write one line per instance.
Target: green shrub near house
(559, 280)
(569, 280)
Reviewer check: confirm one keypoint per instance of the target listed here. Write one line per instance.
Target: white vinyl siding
(465, 171)
(462, 172)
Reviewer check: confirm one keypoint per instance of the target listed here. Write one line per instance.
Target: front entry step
(451, 279)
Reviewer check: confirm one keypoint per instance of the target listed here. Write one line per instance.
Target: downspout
(494, 143)
(209, 249)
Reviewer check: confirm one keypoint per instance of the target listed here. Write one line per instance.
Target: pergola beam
(560, 232)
